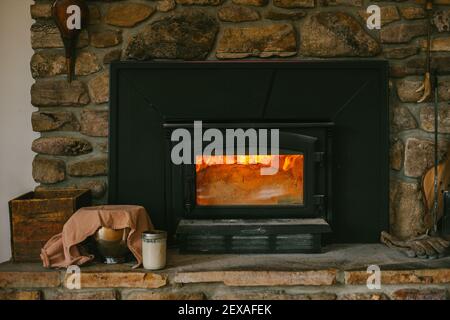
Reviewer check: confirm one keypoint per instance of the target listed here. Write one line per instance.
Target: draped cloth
(62, 249)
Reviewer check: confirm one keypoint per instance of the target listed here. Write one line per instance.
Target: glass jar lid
(154, 235)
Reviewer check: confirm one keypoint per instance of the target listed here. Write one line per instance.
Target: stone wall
(72, 118)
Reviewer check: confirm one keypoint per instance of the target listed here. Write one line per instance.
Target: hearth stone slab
(274, 296)
(415, 294)
(337, 273)
(20, 295)
(426, 276)
(351, 257)
(261, 278)
(97, 294)
(31, 279)
(147, 295)
(121, 280)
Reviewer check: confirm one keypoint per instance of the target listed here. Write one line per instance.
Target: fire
(286, 162)
(237, 180)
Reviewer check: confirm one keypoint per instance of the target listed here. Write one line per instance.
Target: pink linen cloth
(62, 251)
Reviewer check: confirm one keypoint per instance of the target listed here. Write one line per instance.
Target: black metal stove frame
(147, 98)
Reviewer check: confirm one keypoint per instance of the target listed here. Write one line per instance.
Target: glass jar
(154, 247)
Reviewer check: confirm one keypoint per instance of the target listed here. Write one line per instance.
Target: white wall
(16, 134)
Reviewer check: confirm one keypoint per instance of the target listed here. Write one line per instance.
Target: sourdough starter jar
(154, 246)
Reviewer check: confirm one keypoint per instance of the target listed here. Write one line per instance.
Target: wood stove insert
(232, 187)
(339, 184)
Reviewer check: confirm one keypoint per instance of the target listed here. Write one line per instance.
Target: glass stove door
(237, 180)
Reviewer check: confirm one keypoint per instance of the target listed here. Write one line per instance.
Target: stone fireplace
(73, 119)
(343, 94)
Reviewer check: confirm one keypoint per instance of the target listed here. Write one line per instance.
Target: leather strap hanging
(70, 16)
(426, 87)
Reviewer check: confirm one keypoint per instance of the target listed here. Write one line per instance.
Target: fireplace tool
(441, 182)
(429, 245)
(434, 211)
(440, 171)
(71, 16)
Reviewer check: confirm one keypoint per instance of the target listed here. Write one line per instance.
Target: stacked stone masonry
(328, 284)
(73, 118)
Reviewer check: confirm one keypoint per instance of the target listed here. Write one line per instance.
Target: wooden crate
(37, 216)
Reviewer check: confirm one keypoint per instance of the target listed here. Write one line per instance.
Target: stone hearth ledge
(338, 273)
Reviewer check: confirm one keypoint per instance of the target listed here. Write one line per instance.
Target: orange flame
(286, 162)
